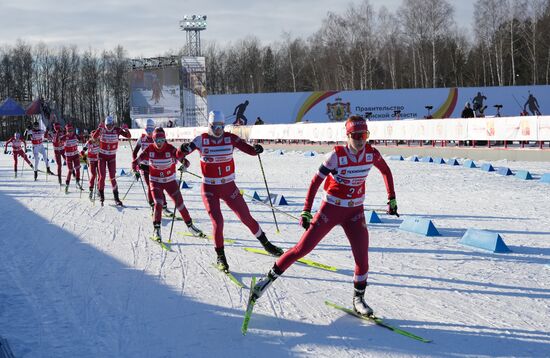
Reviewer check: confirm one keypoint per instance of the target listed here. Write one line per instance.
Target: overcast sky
(151, 27)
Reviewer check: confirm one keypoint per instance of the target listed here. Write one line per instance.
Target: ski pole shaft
(130, 187)
(175, 208)
(141, 180)
(268, 194)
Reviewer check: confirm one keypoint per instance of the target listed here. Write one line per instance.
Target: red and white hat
(159, 133)
(356, 124)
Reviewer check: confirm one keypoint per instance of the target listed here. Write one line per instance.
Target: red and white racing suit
(72, 156)
(59, 150)
(92, 146)
(17, 146)
(342, 204)
(218, 170)
(37, 137)
(162, 177)
(142, 143)
(108, 145)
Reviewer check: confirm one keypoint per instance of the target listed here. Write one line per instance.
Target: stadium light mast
(193, 25)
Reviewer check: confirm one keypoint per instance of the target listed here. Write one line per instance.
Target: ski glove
(392, 207)
(124, 126)
(184, 165)
(5, 151)
(137, 175)
(258, 148)
(305, 219)
(185, 147)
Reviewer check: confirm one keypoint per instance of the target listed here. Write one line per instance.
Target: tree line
(417, 46)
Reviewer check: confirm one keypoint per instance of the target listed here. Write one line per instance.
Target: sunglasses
(216, 127)
(160, 140)
(360, 135)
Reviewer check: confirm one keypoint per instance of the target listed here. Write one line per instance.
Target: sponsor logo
(343, 171)
(343, 160)
(206, 141)
(337, 202)
(223, 181)
(206, 150)
(350, 203)
(227, 140)
(369, 157)
(167, 155)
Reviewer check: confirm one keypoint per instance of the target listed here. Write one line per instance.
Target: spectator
(478, 104)
(258, 121)
(239, 113)
(467, 112)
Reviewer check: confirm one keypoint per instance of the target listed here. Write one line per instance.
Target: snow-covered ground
(78, 280)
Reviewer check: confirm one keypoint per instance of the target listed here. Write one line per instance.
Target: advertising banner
(382, 105)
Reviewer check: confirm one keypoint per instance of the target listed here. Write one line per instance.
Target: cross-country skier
(143, 142)
(37, 137)
(108, 144)
(17, 145)
(72, 156)
(218, 170)
(345, 169)
(162, 158)
(58, 148)
(92, 146)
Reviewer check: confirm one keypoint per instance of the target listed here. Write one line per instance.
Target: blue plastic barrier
(122, 172)
(184, 185)
(419, 225)
(438, 160)
(453, 161)
(414, 158)
(396, 157)
(85, 167)
(545, 178)
(310, 154)
(469, 164)
(524, 175)
(487, 167)
(373, 218)
(504, 171)
(280, 200)
(426, 160)
(485, 240)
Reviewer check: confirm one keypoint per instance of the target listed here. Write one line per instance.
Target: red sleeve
(136, 150)
(242, 145)
(312, 191)
(136, 161)
(381, 165)
(125, 133)
(8, 142)
(180, 156)
(97, 133)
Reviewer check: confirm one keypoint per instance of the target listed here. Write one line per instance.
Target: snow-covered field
(78, 280)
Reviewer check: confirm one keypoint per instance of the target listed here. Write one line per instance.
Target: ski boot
(91, 194)
(79, 185)
(59, 179)
(49, 171)
(166, 212)
(35, 175)
(194, 230)
(269, 247)
(30, 165)
(156, 232)
(101, 196)
(263, 284)
(221, 261)
(117, 200)
(66, 188)
(359, 305)
(16, 173)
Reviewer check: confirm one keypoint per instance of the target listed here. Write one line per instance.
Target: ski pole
(265, 204)
(268, 195)
(81, 181)
(130, 187)
(175, 208)
(141, 180)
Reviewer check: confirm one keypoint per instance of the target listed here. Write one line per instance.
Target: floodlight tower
(193, 25)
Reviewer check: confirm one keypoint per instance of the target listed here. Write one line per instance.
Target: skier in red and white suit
(37, 137)
(58, 148)
(92, 146)
(345, 168)
(218, 169)
(108, 144)
(72, 156)
(17, 145)
(143, 142)
(161, 158)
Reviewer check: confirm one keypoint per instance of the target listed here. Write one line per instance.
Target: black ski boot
(263, 284)
(156, 232)
(117, 200)
(166, 212)
(49, 171)
(195, 231)
(91, 194)
(359, 304)
(35, 175)
(221, 261)
(101, 196)
(269, 247)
